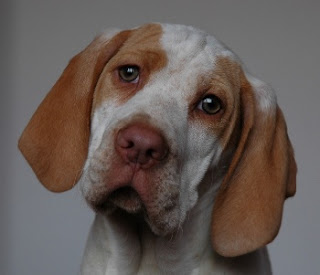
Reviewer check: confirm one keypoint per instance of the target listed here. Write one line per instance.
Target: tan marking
(225, 84)
(143, 49)
(55, 142)
(248, 208)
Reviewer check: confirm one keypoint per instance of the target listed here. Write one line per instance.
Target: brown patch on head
(227, 80)
(224, 83)
(55, 142)
(258, 155)
(248, 208)
(142, 49)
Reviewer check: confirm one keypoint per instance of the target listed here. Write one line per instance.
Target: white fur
(265, 95)
(115, 246)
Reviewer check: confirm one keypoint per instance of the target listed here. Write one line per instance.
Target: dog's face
(145, 115)
(174, 103)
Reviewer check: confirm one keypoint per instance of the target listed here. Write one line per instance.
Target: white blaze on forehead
(191, 56)
(190, 50)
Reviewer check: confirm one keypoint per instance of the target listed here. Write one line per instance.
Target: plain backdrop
(45, 233)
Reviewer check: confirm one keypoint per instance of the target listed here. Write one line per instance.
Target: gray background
(45, 233)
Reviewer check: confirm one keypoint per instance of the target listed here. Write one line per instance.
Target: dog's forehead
(187, 44)
(182, 45)
(196, 59)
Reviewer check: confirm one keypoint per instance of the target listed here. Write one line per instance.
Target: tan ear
(262, 174)
(55, 142)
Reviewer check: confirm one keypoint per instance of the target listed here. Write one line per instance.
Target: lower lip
(126, 198)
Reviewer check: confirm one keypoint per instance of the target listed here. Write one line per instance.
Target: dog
(181, 152)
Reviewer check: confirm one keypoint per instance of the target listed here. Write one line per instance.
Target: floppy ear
(262, 173)
(55, 142)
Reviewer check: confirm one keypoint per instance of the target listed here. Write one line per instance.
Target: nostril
(130, 144)
(158, 153)
(123, 141)
(149, 152)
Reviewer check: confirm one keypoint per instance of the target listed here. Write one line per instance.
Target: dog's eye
(210, 104)
(129, 73)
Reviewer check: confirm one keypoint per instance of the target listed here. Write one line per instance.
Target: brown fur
(55, 142)
(248, 208)
(142, 49)
(224, 82)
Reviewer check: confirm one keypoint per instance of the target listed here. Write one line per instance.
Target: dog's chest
(159, 256)
(114, 249)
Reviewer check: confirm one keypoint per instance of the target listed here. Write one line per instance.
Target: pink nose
(141, 144)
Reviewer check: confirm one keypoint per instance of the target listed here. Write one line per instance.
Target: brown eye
(210, 104)
(129, 73)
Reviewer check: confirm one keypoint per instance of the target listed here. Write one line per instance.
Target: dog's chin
(127, 201)
(163, 226)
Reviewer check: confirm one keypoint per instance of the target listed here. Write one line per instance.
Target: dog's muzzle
(140, 147)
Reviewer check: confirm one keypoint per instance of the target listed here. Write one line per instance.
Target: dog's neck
(119, 244)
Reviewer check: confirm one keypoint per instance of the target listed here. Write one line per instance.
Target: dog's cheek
(93, 182)
(98, 158)
(164, 215)
(163, 208)
(163, 224)
(101, 122)
(203, 152)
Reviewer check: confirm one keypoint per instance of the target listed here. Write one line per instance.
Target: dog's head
(145, 118)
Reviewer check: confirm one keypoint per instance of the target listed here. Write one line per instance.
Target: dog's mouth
(124, 198)
(162, 217)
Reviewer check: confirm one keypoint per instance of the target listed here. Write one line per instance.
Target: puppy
(183, 155)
